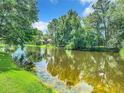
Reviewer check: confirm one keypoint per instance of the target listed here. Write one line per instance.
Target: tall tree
(67, 30)
(116, 24)
(16, 18)
(101, 8)
(53, 32)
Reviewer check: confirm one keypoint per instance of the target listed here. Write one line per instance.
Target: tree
(66, 30)
(52, 27)
(104, 28)
(92, 35)
(16, 18)
(107, 22)
(101, 8)
(116, 24)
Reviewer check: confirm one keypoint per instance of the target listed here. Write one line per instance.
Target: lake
(70, 71)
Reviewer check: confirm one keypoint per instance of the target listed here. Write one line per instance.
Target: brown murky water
(81, 72)
(78, 71)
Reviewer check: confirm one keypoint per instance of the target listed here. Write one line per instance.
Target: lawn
(42, 46)
(122, 53)
(17, 80)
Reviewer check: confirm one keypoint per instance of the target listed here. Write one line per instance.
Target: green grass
(42, 46)
(2, 45)
(6, 63)
(122, 53)
(17, 80)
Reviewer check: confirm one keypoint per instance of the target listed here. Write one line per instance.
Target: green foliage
(71, 45)
(116, 24)
(38, 38)
(100, 20)
(108, 21)
(68, 32)
(104, 27)
(16, 18)
(65, 30)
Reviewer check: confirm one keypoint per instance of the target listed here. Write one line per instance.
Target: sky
(49, 9)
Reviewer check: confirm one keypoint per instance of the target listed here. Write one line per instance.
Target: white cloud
(54, 1)
(87, 1)
(88, 11)
(113, 0)
(42, 26)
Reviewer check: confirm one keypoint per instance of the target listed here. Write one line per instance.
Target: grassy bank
(42, 46)
(16, 80)
(122, 53)
(2, 45)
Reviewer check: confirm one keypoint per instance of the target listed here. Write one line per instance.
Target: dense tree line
(16, 18)
(103, 28)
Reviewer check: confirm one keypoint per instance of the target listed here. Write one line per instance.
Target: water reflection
(102, 72)
(25, 57)
(78, 71)
(32, 54)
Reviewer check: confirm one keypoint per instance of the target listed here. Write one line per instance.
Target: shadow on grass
(6, 63)
(4, 69)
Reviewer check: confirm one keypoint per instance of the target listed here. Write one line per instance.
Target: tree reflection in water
(25, 57)
(79, 71)
(104, 71)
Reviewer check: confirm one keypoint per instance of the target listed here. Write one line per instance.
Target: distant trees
(66, 30)
(116, 24)
(106, 18)
(103, 28)
(53, 32)
(101, 19)
(16, 18)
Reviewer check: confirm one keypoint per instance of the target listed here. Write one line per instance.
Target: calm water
(78, 71)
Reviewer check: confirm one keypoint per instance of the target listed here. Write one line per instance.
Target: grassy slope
(15, 80)
(42, 46)
(122, 53)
